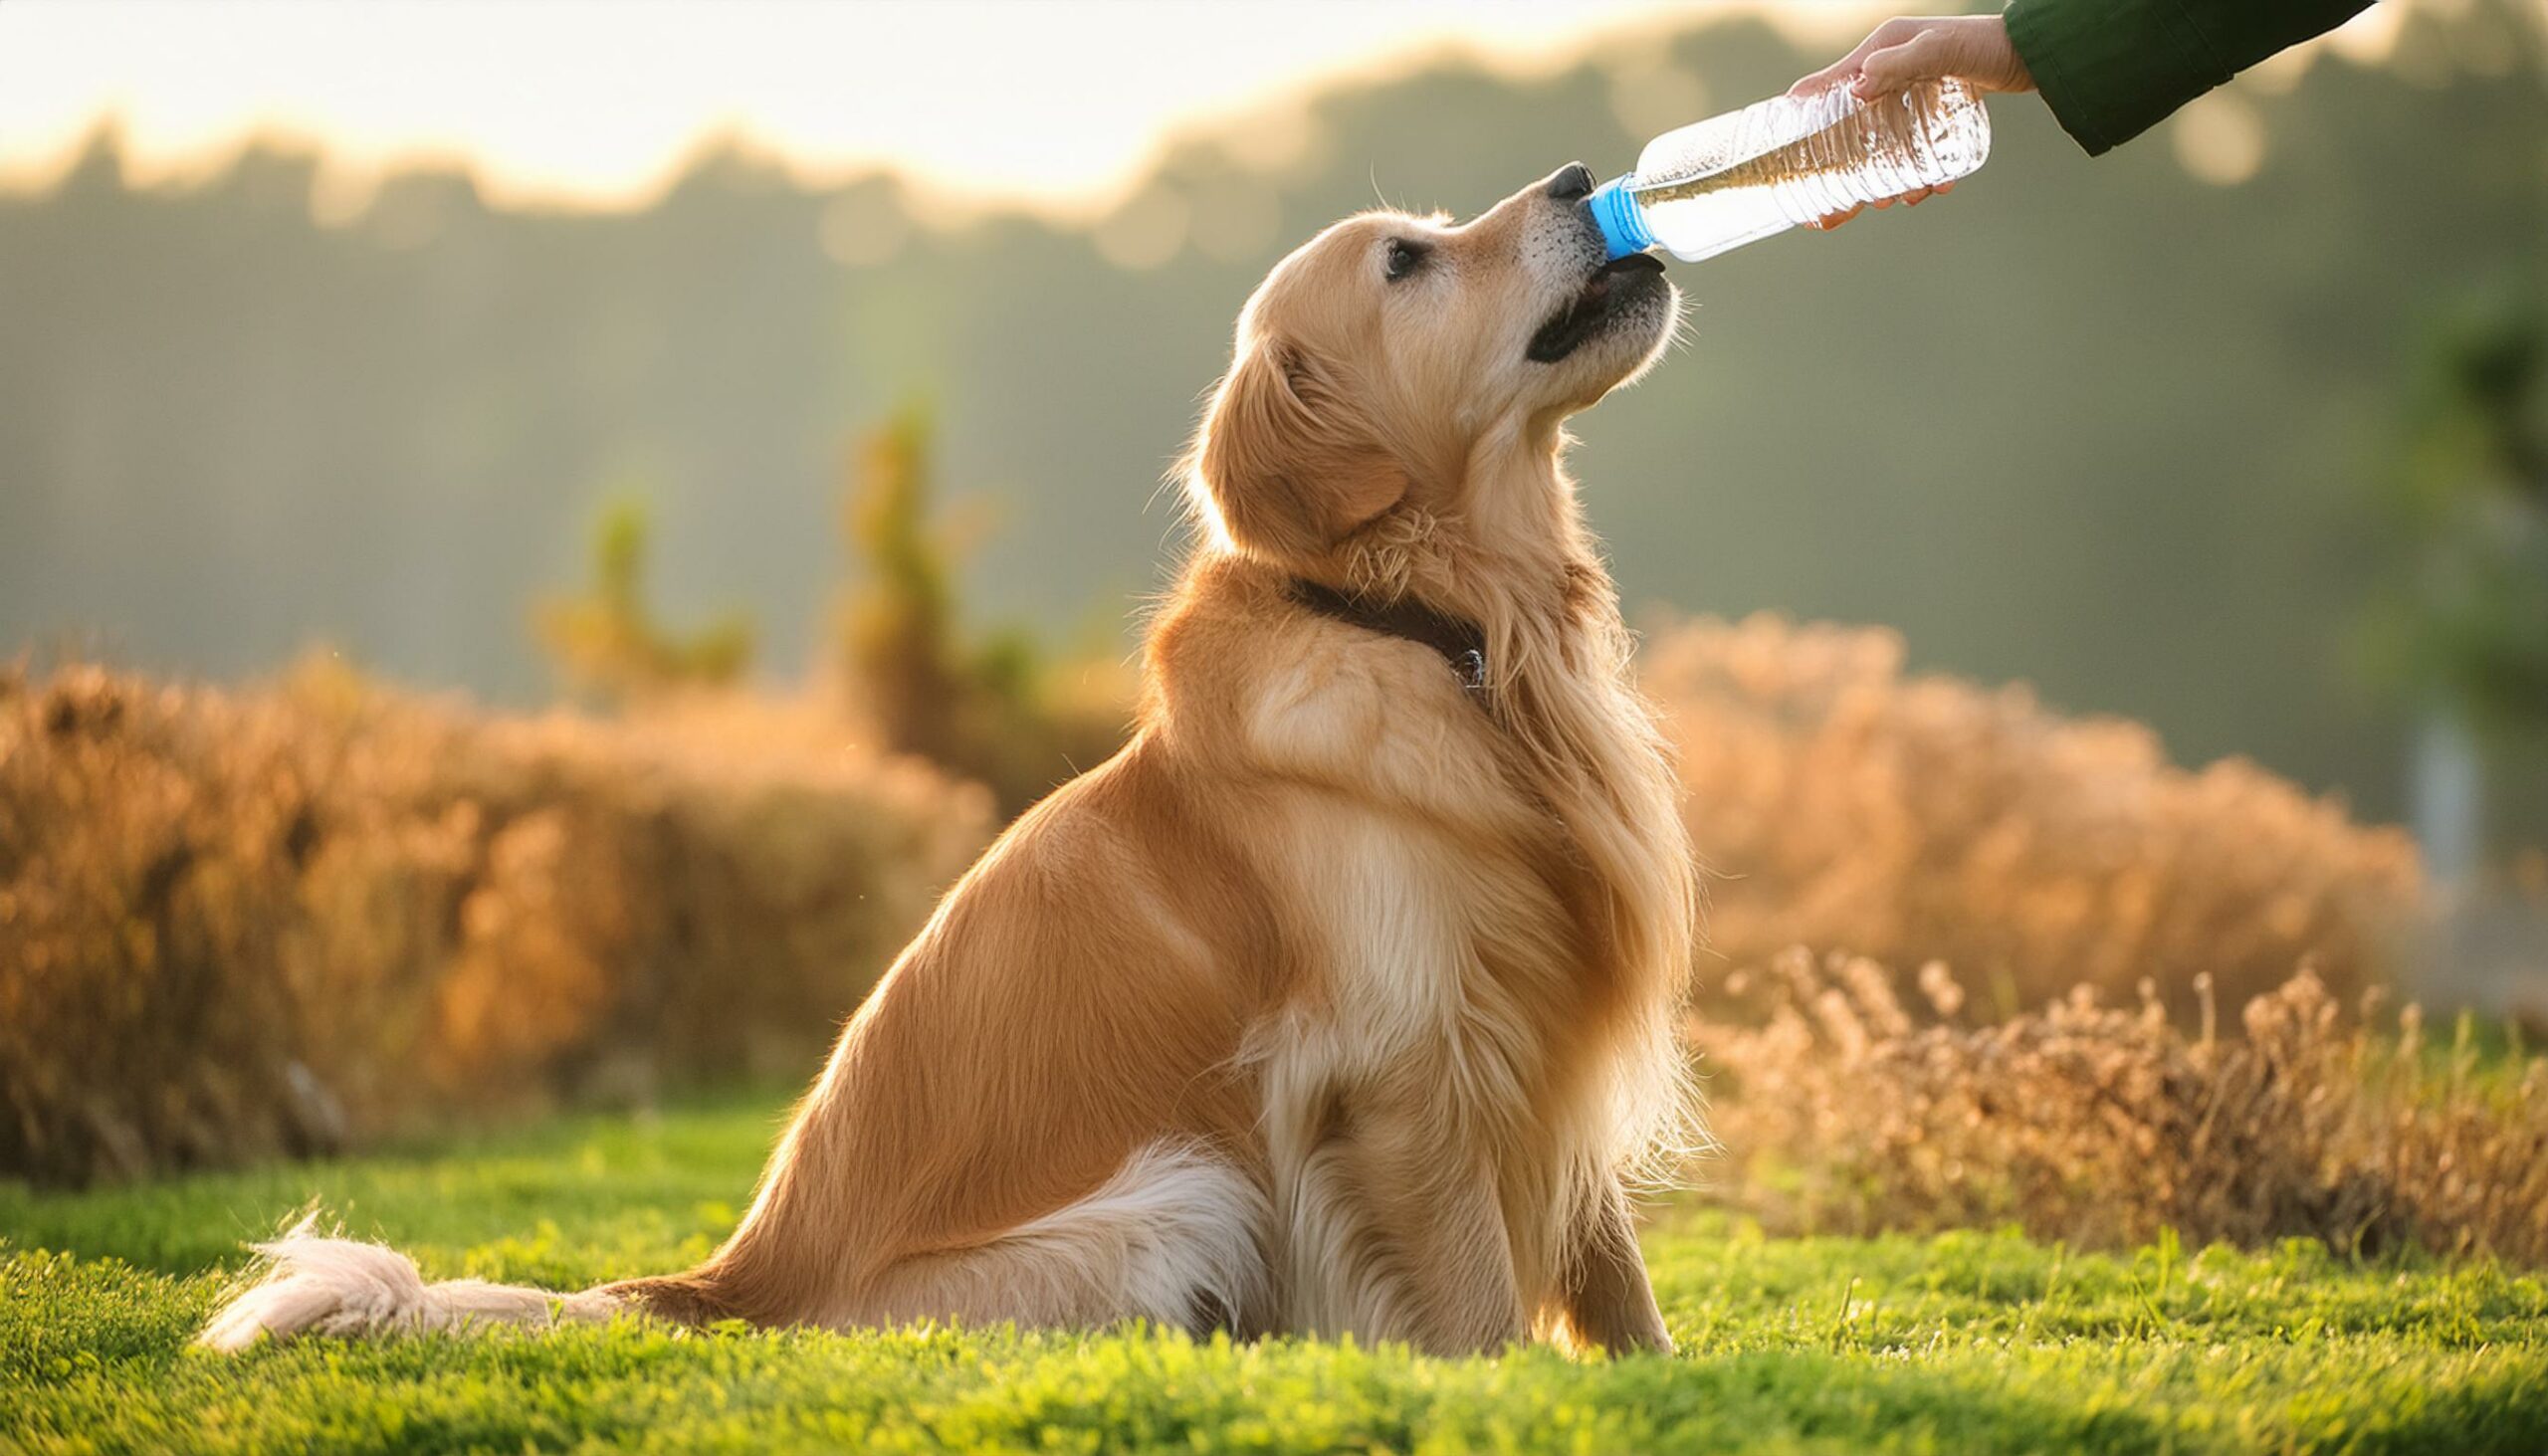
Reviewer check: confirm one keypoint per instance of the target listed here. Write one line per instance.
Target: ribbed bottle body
(1722, 182)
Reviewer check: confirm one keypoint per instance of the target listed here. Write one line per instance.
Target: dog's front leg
(1436, 1257)
(1606, 1299)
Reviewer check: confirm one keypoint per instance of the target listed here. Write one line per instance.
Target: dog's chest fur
(1450, 964)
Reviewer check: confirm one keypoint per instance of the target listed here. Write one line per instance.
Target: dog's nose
(1571, 183)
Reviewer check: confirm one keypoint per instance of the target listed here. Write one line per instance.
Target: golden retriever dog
(1341, 1000)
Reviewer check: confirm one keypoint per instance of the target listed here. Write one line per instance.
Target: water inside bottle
(1724, 182)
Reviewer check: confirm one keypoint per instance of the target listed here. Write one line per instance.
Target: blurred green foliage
(2462, 623)
(980, 709)
(608, 642)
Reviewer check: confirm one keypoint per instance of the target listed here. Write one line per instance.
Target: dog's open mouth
(1614, 285)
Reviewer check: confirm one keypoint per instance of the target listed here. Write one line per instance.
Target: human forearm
(2111, 69)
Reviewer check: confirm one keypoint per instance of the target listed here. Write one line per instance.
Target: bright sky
(598, 103)
(1053, 103)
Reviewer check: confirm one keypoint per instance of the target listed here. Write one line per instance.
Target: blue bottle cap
(1621, 221)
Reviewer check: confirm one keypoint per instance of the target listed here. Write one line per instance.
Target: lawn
(1970, 1341)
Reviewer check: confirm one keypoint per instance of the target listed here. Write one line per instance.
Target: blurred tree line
(2116, 427)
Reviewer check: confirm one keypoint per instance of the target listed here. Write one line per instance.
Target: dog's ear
(1288, 462)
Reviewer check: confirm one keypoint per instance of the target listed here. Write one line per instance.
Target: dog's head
(1376, 361)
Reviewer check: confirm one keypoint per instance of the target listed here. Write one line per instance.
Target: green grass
(1966, 1343)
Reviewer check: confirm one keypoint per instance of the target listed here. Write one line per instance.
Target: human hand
(1906, 50)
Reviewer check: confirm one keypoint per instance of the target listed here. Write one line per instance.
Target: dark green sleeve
(2113, 69)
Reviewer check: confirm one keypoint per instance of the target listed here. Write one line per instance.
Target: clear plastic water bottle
(1722, 182)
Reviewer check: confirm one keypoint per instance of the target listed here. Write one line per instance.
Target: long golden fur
(1341, 999)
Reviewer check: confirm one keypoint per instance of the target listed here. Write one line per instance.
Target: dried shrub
(1843, 805)
(235, 924)
(1847, 1108)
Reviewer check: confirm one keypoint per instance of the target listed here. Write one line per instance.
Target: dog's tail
(316, 1285)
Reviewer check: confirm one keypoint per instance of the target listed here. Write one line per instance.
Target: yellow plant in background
(988, 708)
(607, 641)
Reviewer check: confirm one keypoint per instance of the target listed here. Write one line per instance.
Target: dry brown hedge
(275, 920)
(1854, 1106)
(1844, 805)
(241, 924)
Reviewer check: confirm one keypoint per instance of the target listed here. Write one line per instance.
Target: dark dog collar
(1456, 639)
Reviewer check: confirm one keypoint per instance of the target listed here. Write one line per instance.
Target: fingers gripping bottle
(1721, 184)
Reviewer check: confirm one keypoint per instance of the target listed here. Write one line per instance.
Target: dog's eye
(1404, 257)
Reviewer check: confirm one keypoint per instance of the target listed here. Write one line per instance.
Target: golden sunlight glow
(592, 103)
(2218, 138)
